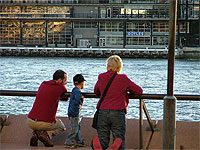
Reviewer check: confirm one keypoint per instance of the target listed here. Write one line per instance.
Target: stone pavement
(17, 135)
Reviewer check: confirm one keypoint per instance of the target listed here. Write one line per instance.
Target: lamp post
(169, 117)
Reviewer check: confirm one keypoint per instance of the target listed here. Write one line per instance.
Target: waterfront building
(97, 23)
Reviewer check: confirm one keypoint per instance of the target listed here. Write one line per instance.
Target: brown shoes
(44, 138)
(34, 138)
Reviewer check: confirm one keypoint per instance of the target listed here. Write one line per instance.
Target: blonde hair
(114, 63)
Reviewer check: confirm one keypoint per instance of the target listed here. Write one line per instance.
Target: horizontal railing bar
(92, 95)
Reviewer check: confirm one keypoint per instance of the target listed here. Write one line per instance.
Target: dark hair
(58, 74)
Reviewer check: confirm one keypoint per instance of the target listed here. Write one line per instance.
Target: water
(26, 73)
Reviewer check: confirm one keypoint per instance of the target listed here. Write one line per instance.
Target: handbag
(95, 118)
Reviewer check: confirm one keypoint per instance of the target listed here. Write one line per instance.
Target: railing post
(141, 125)
(169, 123)
(148, 117)
(169, 117)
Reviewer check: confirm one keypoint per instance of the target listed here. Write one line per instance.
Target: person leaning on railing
(42, 117)
(114, 106)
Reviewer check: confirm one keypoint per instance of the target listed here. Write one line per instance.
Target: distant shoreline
(185, 53)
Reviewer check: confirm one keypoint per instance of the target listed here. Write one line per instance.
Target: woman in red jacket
(114, 106)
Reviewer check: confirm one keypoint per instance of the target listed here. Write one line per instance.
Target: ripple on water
(27, 73)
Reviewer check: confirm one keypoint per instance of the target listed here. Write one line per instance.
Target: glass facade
(119, 23)
(57, 33)
(111, 27)
(34, 11)
(160, 40)
(85, 25)
(9, 32)
(161, 27)
(114, 40)
(138, 33)
(33, 33)
(144, 27)
(138, 40)
(112, 32)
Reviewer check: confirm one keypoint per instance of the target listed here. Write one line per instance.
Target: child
(75, 104)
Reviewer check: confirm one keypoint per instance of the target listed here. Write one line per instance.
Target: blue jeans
(74, 133)
(114, 121)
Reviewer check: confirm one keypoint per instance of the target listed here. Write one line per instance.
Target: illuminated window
(9, 32)
(122, 11)
(128, 11)
(57, 33)
(34, 32)
(35, 11)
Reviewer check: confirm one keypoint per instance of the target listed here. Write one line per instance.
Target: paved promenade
(17, 135)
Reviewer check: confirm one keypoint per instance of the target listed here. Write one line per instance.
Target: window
(103, 1)
(57, 33)
(111, 27)
(138, 41)
(182, 27)
(160, 40)
(36, 11)
(114, 40)
(85, 25)
(161, 27)
(34, 32)
(9, 32)
(138, 27)
(114, 1)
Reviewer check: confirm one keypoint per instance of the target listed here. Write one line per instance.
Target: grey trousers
(114, 121)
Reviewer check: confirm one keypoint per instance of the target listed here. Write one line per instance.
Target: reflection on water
(26, 73)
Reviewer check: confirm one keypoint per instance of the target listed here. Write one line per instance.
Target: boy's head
(78, 79)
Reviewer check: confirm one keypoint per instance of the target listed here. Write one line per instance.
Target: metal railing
(141, 108)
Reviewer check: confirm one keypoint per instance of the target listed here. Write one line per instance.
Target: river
(26, 73)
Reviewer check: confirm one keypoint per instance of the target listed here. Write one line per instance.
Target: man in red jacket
(42, 117)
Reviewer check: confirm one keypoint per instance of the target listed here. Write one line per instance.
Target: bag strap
(105, 91)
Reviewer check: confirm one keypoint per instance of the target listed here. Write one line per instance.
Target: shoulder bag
(95, 118)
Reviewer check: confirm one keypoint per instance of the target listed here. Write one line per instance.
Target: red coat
(116, 97)
(46, 102)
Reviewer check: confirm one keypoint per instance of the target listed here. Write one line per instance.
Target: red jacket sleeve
(134, 88)
(96, 88)
(63, 97)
